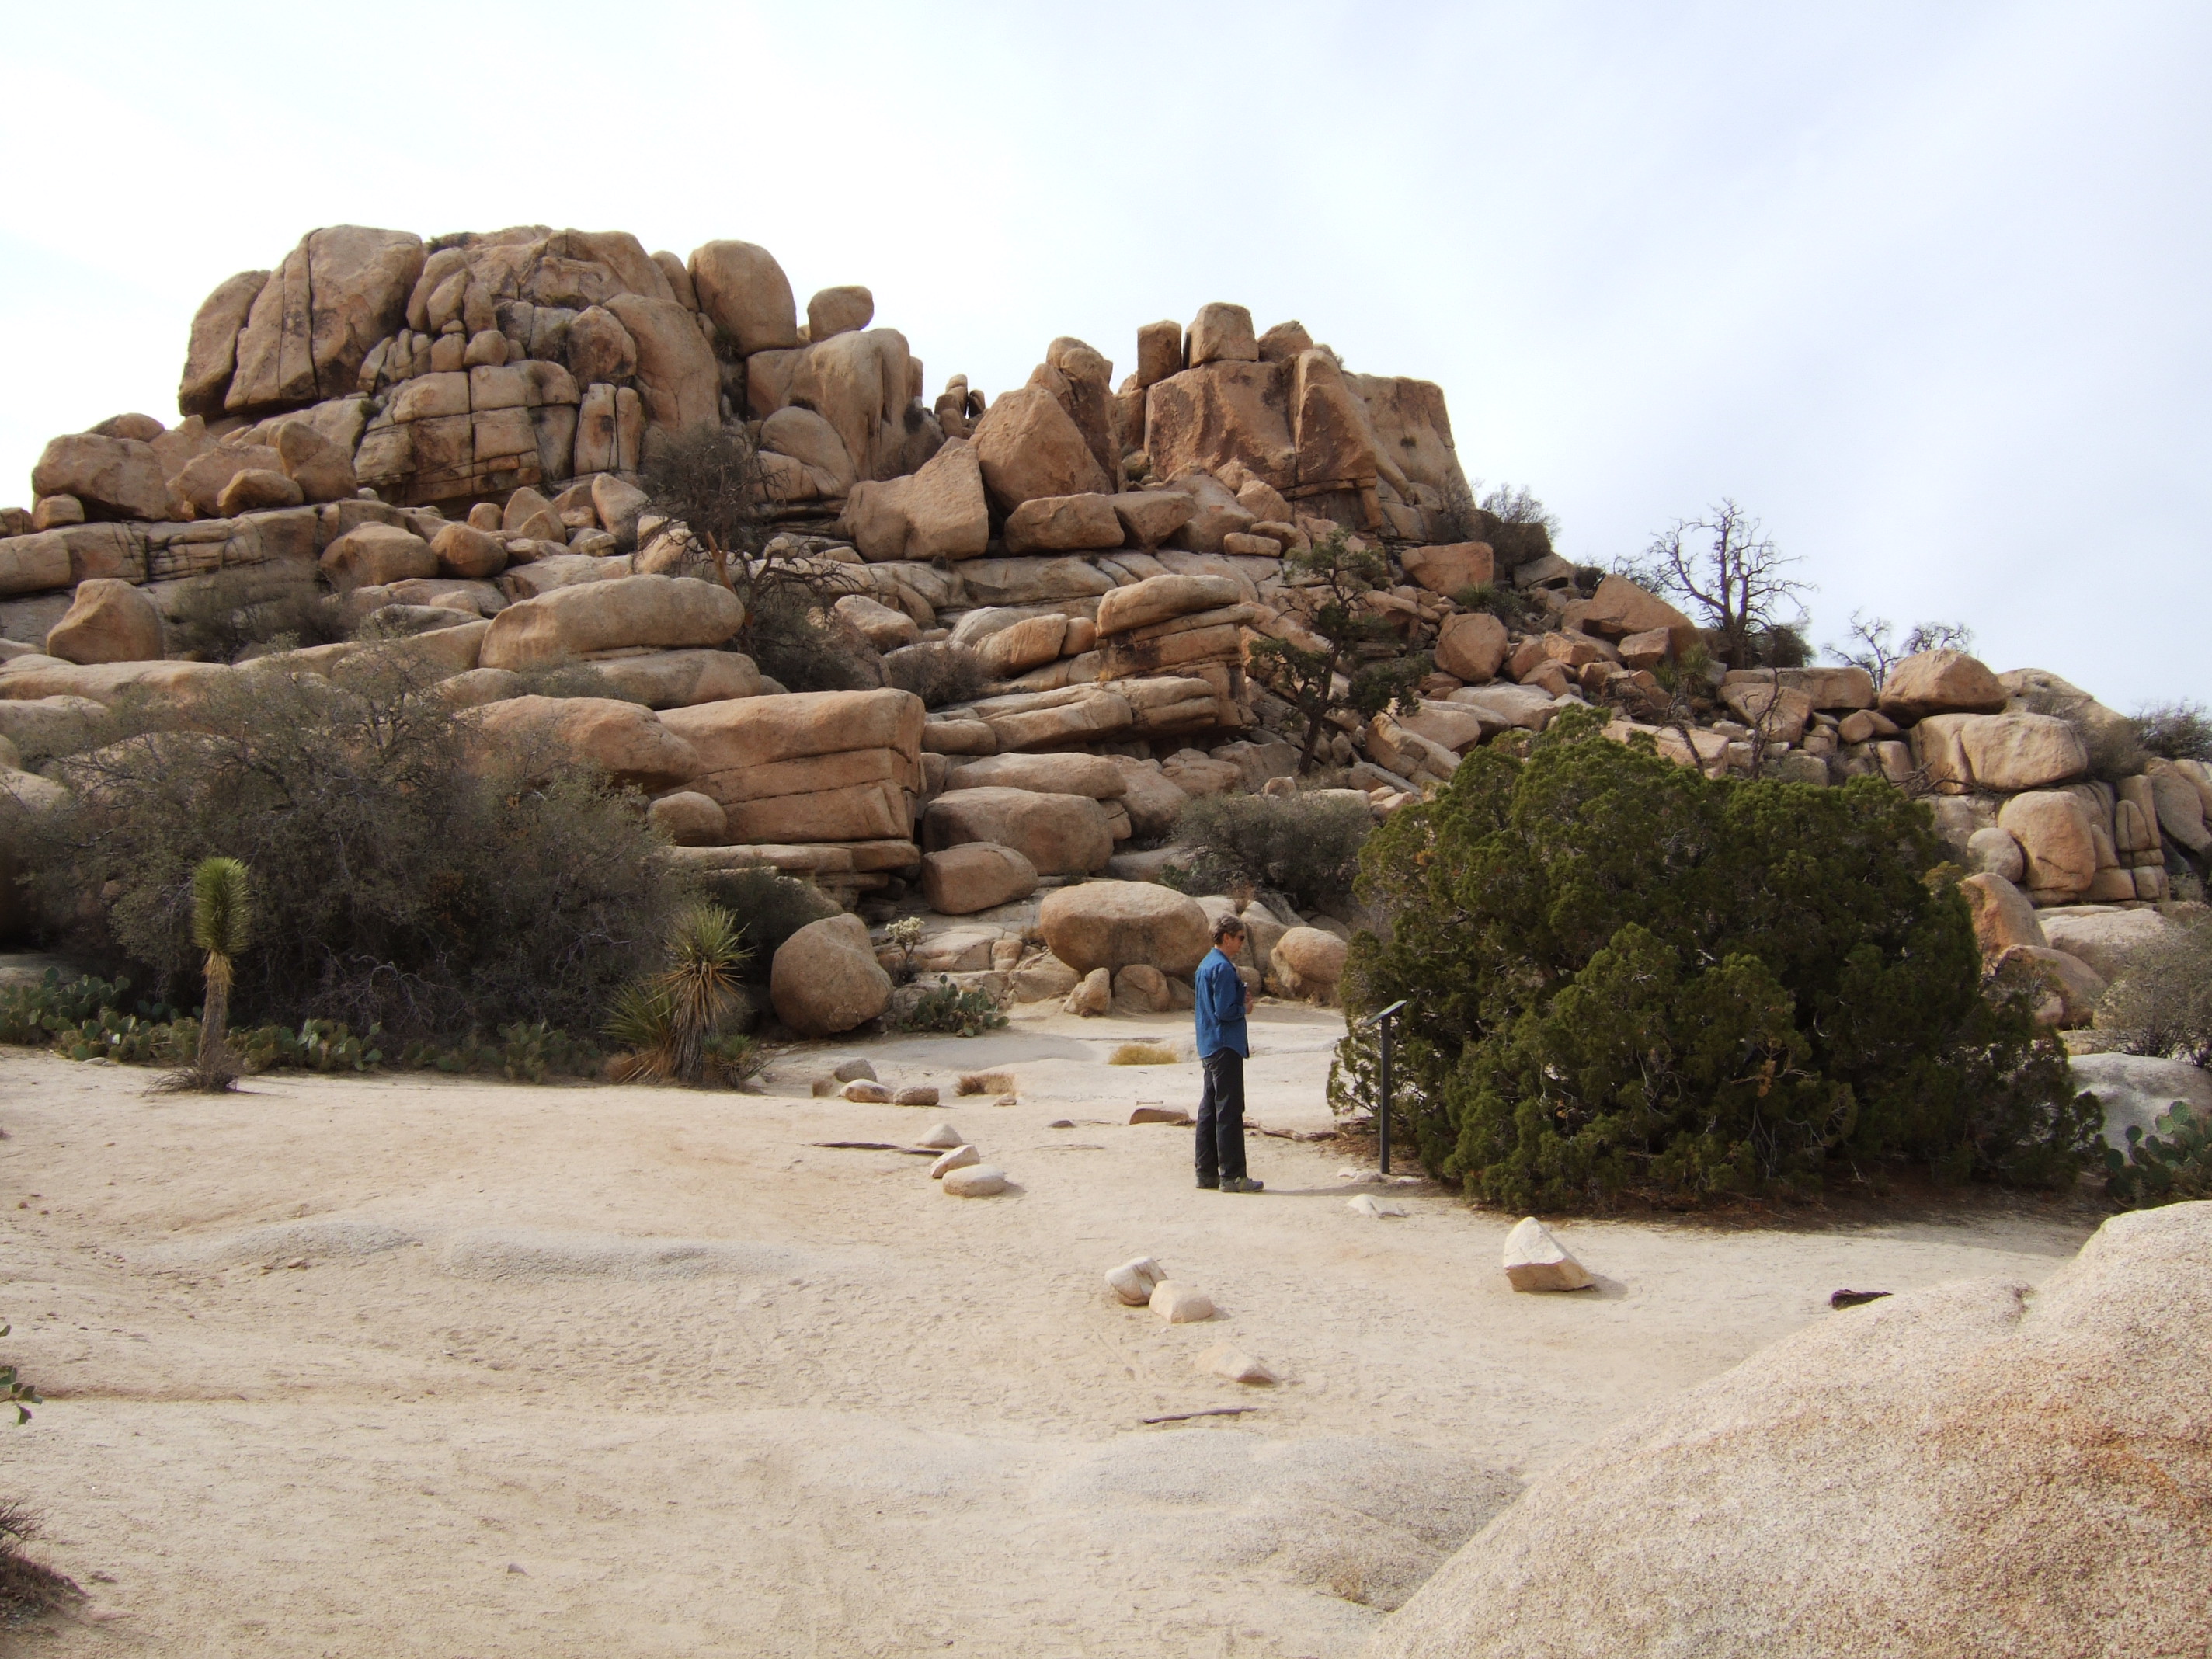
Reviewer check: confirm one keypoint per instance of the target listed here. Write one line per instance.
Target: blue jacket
(1220, 995)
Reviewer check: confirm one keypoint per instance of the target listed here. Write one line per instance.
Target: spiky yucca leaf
(639, 1020)
(222, 911)
(706, 948)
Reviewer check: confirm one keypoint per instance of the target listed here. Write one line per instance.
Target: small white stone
(1181, 1304)
(1135, 1281)
(1226, 1360)
(975, 1181)
(1534, 1260)
(960, 1157)
(943, 1136)
(1373, 1207)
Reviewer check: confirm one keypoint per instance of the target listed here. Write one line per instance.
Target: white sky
(1924, 286)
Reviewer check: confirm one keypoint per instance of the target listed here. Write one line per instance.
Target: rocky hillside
(449, 433)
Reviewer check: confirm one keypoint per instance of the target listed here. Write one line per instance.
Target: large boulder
(1621, 607)
(1060, 834)
(2001, 753)
(803, 436)
(1095, 775)
(676, 367)
(743, 290)
(2135, 1091)
(1470, 647)
(1028, 446)
(319, 314)
(1206, 417)
(1305, 962)
(1984, 1467)
(1451, 568)
(1221, 333)
(825, 978)
(212, 353)
(1149, 516)
(629, 743)
(1163, 599)
(2071, 988)
(108, 621)
(2053, 830)
(1062, 523)
(937, 512)
(2002, 916)
(667, 611)
(1152, 800)
(681, 679)
(810, 766)
(373, 555)
(1116, 924)
(977, 875)
(2106, 940)
(842, 310)
(112, 477)
(1939, 682)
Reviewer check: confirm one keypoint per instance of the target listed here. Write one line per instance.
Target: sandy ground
(403, 1366)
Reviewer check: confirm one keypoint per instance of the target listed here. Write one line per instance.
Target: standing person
(1221, 1003)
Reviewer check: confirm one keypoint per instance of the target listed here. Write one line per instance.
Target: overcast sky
(1926, 287)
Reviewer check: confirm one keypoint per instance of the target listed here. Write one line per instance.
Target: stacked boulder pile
(449, 434)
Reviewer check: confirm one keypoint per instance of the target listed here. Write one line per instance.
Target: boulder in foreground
(1982, 1468)
(825, 978)
(1534, 1260)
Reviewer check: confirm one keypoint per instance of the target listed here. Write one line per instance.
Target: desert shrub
(401, 882)
(31, 1014)
(2161, 1004)
(27, 1587)
(2174, 730)
(668, 1019)
(803, 647)
(946, 1007)
(252, 609)
(1298, 845)
(2171, 1165)
(771, 908)
(1352, 660)
(1783, 644)
(939, 673)
(1502, 600)
(1142, 1053)
(1626, 977)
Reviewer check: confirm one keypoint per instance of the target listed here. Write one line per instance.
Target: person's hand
(1247, 999)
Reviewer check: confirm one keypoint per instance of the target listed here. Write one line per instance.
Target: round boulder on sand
(1117, 924)
(1983, 1467)
(976, 876)
(825, 978)
(1309, 962)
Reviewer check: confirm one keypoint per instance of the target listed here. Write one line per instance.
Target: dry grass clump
(1144, 1053)
(27, 1586)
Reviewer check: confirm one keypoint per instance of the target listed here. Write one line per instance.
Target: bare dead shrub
(249, 611)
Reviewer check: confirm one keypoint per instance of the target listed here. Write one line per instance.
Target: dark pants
(1221, 1117)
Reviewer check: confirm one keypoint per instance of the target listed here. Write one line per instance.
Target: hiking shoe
(1243, 1184)
(1207, 1186)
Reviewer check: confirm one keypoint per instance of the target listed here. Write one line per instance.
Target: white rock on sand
(1534, 1260)
(976, 1180)
(1134, 1281)
(960, 1157)
(943, 1136)
(1181, 1304)
(1228, 1361)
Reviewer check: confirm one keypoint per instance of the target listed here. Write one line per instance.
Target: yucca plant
(669, 1020)
(705, 949)
(222, 924)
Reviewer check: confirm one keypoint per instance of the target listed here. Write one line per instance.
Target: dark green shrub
(803, 647)
(1503, 601)
(1625, 977)
(2177, 731)
(400, 883)
(2172, 1165)
(1298, 845)
(1351, 660)
(947, 1008)
(771, 908)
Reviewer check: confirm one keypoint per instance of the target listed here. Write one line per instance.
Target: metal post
(1382, 1114)
(1388, 1020)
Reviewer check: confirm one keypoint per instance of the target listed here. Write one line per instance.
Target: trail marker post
(1386, 1022)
